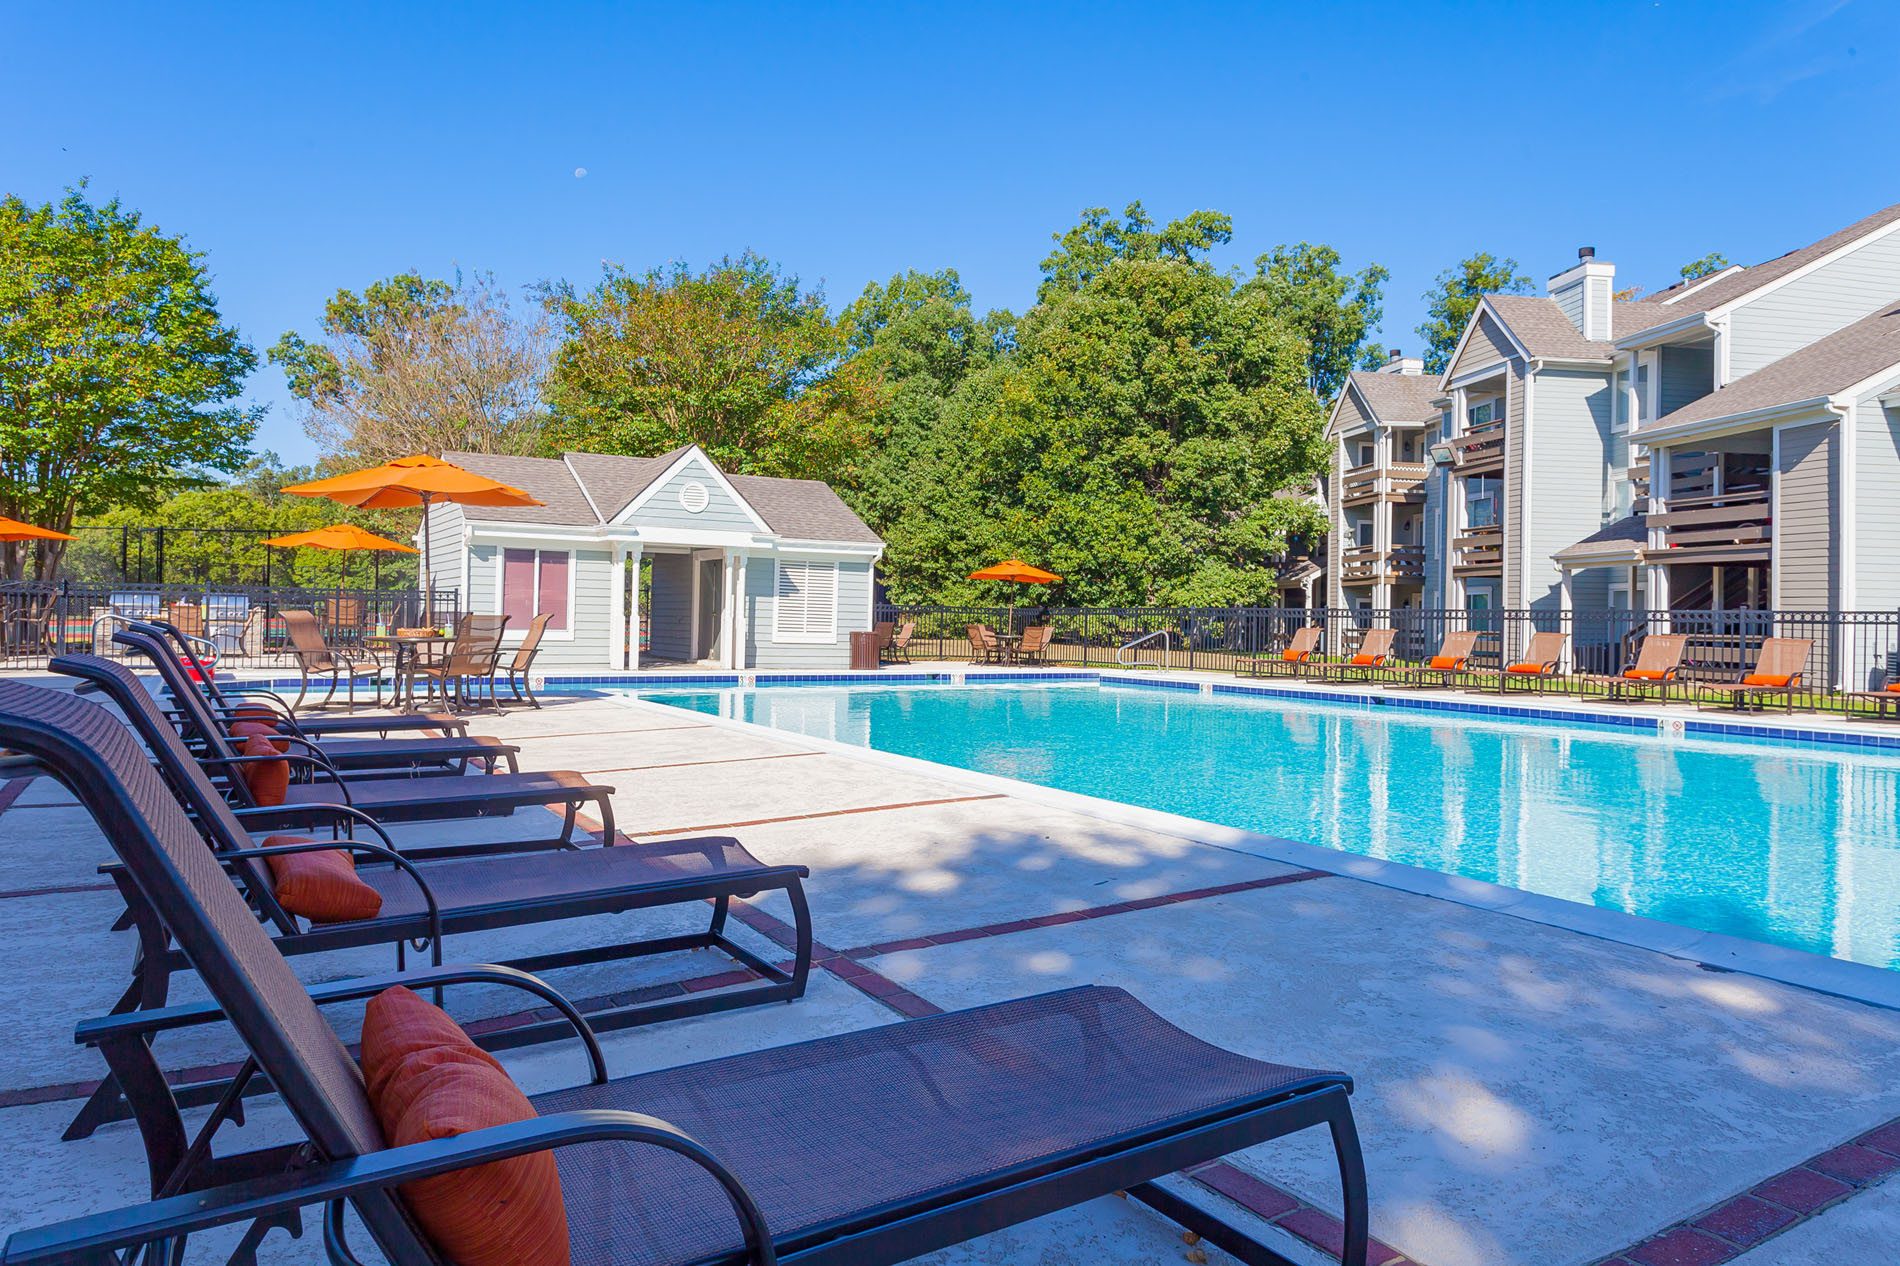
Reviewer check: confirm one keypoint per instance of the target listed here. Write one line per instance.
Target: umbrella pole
(428, 592)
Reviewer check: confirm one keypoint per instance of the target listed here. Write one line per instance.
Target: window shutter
(805, 602)
(553, 587)
(517, 587)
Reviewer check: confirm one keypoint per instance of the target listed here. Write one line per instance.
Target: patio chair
(1885, 701)
(899, 650)
(231, 699)
(330, 797)
(1443, 669)
(1292, 661)
(1537, 668)
(1034, 647)
(1777, 675)
(1657, 663)
(470, 662)
(1375, 651)
(422, 903)
(866, 1148)
(521, 663)
(315, 657)
(358, 757)
(985, 648)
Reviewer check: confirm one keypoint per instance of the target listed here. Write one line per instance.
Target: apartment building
(1376, 494)
(1731, 442)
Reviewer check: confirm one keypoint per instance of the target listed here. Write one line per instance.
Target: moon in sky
(579, 172)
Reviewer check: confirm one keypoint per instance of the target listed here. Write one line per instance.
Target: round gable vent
(694, 497)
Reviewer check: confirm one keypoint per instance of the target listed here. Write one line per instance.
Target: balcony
(1734, 527)
(1400, 481)
(1365, 565)
(1479, 450)
(1479, 551)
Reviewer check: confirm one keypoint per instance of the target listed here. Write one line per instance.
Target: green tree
(1084, 251)
(738, 359)
(1454, 297)
(1336, 312)
(421, 366)
(116, 370)
(1714, 262)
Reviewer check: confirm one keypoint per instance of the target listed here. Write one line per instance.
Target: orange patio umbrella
(1019, 572)
(415, 481)
(14, 530)
(339, 536)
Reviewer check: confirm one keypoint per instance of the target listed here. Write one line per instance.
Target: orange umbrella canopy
(414, 481)
(339, 536)
(14, 530)
(1016, 569)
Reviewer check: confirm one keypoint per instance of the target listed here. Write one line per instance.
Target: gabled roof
(1392, 397)
(1728, 289)
(1624, 536)
(1541, 326)
(1823, 368)
(799, 509)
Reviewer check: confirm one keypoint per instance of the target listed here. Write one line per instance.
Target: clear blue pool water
(1785, 843)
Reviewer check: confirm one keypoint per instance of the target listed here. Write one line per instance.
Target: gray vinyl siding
(1488, 345)
(1569, 300)
(1688, 373)
(1836, 294)
(1877, 507)
(1809, 486)
(1352, 414)
(854, 597)
(722, 513)
(445, 548)
(482, 594)
(1570, 412)
(1514, 487)
(671, 608)
(1590, 588)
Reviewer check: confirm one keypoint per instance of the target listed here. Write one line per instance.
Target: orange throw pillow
(255, 712)
(1293, 657)
(243, 730)
(1532, 669)
(321, 886)
(1646, 674)
(1767, 679)
(427, 1080)
(1894, 686)
(1363, 661)
(1446, 663)
(269, 780)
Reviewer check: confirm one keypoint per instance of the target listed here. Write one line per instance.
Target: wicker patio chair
(1443, 669)
(1375, 651)
(1657, 663)
(315, 658)
(1777, 675)
(422, 902)
(1292, 661)
(1536, 669)
(1000, 1114)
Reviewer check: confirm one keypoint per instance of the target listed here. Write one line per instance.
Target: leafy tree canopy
(1713, 262)
(421, 366)
(1335, 311)
(116, 371)
(1455, 296)
(738, 359)
(1084, 251)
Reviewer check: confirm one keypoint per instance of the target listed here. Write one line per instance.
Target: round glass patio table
(407, 652)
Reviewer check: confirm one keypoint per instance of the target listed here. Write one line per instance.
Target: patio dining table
(406, 651)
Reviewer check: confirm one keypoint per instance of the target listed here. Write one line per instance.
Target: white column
(616, 606)
(631, 629)
(728, 623)
(741, 621)
(1657, 598)
(1566, 603)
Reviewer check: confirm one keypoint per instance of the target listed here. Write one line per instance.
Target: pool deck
(1527, 1092)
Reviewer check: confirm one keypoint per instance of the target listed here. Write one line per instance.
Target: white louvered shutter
(805, 606)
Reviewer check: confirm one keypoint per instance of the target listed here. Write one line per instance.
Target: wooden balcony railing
(1480, 449)
(1732, 527)
(1399, 481)
(1479, 549)
(1365, 565)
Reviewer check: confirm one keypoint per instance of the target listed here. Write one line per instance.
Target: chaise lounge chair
(1537, 668)
(1657, 663)
(1292, 661)
(1375, 649)
(321, 803)
(1885, 701)
(862, 1149)
(422, 903)
(1443, 669)
(1777, 675)
(232, 698)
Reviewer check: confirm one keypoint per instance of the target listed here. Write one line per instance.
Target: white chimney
(1584, 293)
(1398, 364)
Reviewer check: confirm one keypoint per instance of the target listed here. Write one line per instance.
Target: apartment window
(1481, 414)
(533, 581)
(1362, 532)
(1620, 402)
(1642, 393)
(1624, 499)
(805, 602)
(1481, 500)
(1365, 455)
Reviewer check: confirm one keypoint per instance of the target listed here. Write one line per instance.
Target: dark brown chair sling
(861, 1149)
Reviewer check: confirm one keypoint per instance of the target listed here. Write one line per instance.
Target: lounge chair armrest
(389, 855)
(189, 1014)
(322, 766)
(317, 808)
(95, 1239)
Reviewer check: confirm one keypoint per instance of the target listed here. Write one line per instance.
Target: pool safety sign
(1675, 729)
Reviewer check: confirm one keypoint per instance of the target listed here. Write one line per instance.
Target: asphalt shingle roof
(543, 478)
(1397, 397)
(1822, 368)
(1541, 326)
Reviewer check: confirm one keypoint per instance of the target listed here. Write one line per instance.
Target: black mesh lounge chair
(447, 754)
(423, 902)
(228, 697)
(862, 1149)
(1292, 661)
(321, 803)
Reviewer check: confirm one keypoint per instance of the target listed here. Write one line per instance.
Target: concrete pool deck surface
(1527, 1093)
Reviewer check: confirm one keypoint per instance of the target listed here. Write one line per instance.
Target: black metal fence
(245, 623)
(223, 557)
(1851, 650)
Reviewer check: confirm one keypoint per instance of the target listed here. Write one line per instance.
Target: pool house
(720, 571)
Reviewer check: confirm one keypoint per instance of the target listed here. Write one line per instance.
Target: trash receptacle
(863, 651)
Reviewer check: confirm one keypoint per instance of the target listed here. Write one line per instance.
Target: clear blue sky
(303, 148)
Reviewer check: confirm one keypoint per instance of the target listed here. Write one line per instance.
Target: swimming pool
(1791, 844)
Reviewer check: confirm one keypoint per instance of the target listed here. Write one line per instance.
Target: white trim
(616, 605)
(1703, 283)
(692, 454)
(573, 576)
(1524, 493)
(1774, 516)
(1446, 381)
(632, 631)
(575, 475)
(1713, 428)
(1820, 261)
(1843, 511)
